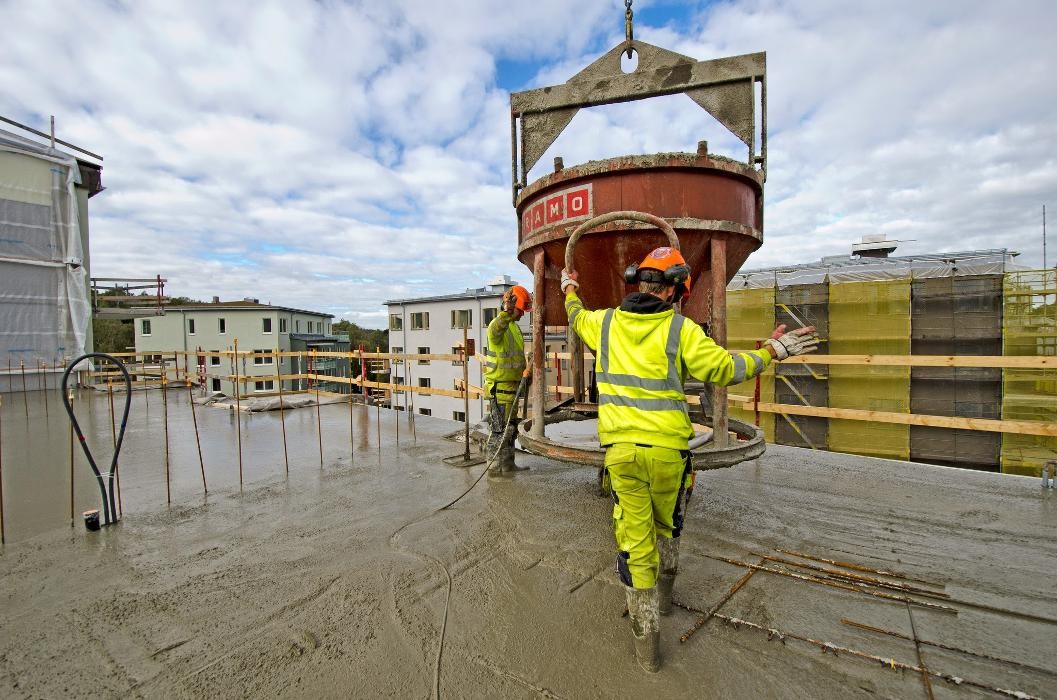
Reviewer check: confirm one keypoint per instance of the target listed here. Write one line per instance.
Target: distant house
(259, 328)
(45, 304)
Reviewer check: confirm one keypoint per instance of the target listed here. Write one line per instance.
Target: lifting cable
(110, 515)
(393, 538)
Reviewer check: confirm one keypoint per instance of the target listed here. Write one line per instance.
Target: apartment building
(259, 328)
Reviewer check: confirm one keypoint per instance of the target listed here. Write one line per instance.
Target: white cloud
(333, 155)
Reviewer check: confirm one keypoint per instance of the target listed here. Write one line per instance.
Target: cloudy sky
(331, 155)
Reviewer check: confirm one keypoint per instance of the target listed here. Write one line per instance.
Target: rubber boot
(645, 626)
(507, 457)
(668, 548)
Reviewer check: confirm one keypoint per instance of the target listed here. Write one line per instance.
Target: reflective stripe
(574, 313)
(642, 404)
(604, 349)
(632, 380)
(757, 365)
(739, 369)
(674, 381)
(512, 353)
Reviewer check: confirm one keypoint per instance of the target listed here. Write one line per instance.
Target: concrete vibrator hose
(642, 217)
(105, 489)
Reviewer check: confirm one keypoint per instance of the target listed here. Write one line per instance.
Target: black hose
(109, 506)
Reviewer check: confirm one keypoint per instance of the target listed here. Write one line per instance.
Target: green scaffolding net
(869, 318)
(750, 317)
(1029, 319)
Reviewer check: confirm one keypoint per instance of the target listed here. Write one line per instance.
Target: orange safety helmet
(665, 265)
(522, 297)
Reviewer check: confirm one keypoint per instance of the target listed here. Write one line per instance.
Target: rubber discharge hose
(393, 538)
(106, 490)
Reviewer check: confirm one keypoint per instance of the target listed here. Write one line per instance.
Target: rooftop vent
(874, 245)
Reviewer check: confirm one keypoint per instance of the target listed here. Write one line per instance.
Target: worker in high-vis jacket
(644, 352)
(504, 366)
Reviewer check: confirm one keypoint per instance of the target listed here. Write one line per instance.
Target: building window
(266, 385)
(396, 322)
(420, 321)
(297, 326)
(426, 411)
(489, 315)
(423, 351)
(214, 360)
(396, 351)
(222, 326)
(461, 318)
(459, 416)
(190, 326)
(214, 384)
(424, 382)
(144, 327)
(262, 357)
(266, 325)
(456, 350)
(282, 325)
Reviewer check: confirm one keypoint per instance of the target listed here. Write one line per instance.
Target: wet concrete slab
(333, 581)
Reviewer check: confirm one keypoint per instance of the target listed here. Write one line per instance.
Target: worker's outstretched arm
(710, 363)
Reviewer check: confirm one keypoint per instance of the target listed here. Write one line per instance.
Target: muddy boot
(668, 548)
(645, 626)
(508, 455)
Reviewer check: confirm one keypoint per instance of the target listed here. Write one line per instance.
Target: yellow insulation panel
(870, 318)
(750, 317)
(1029, 319)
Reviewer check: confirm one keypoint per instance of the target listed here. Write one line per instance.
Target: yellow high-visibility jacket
(505, 355)
(641, 362)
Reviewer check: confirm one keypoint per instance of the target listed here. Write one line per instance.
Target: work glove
(569, 280)
(509, 302)
(798, 342)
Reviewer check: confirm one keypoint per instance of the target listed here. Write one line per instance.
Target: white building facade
(433, 325)
(259, 328)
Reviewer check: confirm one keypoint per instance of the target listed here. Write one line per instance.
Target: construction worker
(504, 365)
(644, 351)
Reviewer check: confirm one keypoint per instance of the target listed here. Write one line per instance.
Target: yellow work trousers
(645, 482)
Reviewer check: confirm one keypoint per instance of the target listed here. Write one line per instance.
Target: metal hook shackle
(643, 217)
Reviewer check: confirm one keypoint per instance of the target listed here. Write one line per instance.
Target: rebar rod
(44, 378)
(947, 647)
(319, 421)
(703, 619)
(921, 659)
(165, 422)
(836, 650)
(71, 466)
(282, 418)
(859, 567)
(857, 577)
(3, 533)
(832, 584)
(959, 601)
(198, 439)
(352, 429)
(238, 408)
(25, 398)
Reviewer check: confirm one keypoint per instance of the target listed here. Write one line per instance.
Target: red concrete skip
(712, 196)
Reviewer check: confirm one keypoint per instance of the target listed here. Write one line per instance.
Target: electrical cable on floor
(438, 562)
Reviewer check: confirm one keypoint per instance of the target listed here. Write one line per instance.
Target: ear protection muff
(675, 275)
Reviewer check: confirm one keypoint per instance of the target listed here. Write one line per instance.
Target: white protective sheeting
(44, 306)
(840, 269)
